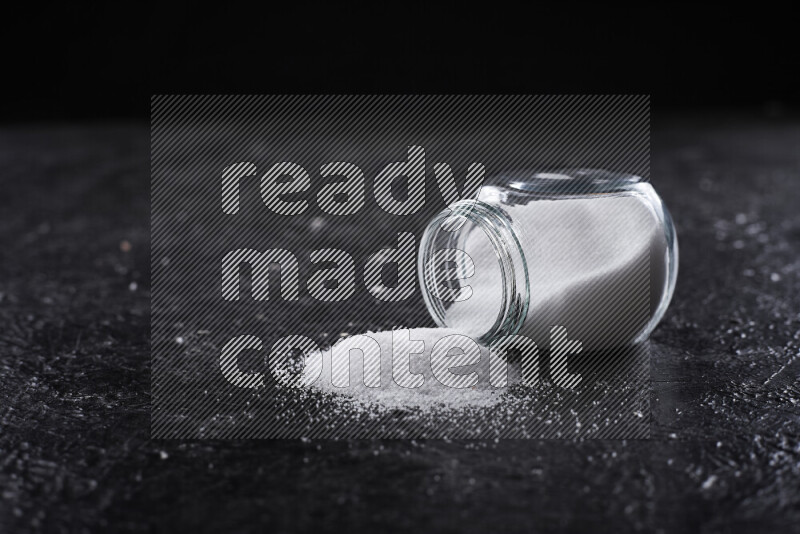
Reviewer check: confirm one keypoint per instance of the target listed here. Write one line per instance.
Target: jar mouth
(505, 290)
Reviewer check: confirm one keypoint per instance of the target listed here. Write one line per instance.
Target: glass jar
(592, 251)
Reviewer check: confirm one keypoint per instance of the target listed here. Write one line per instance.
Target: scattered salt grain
(710, 481)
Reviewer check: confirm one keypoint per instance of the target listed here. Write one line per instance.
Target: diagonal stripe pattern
(327, 212)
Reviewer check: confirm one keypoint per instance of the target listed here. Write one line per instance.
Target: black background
(70, 61)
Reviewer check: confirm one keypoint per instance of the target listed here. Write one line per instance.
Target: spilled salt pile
(524, 408)
(404, 377)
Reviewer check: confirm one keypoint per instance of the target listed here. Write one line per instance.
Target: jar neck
(446, 230)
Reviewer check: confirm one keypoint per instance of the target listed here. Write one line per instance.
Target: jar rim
(566, 181)
(502, 235)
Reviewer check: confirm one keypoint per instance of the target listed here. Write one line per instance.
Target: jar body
(591, 251)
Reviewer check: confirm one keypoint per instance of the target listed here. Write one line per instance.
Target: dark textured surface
(74, 373)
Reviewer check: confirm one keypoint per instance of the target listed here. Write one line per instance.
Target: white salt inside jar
(591, 251)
